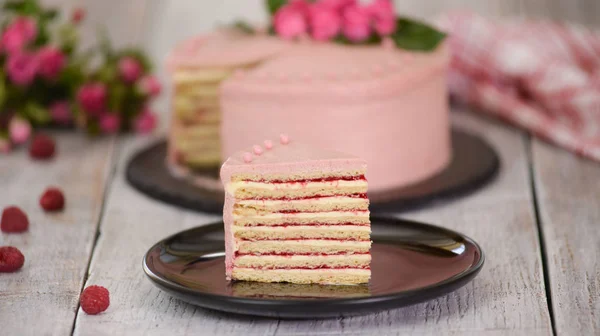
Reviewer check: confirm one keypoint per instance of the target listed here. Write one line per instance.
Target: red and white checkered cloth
(541, 76)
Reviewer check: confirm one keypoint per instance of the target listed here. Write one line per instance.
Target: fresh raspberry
(11, 259)
(42, 147)
(94, 300)
(14, 220)
(52, 200)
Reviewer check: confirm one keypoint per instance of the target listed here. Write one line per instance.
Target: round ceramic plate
(411, 263)
(474, 163)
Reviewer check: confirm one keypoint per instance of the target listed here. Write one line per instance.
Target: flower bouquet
(46, 80)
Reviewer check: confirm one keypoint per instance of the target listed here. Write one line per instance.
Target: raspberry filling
(362, 195)
(308, 224)
(287, 254)
(301, 239)
(309, 268)
(321, 179)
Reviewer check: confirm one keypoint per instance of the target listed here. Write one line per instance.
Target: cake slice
(297, 214)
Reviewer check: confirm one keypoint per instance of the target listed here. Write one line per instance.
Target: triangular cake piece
(295, 213)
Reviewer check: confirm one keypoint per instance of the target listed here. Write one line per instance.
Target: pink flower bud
(110, 123)
(150, 86)
(61, 113)
(19, 130)
(356, 23)
(130, 69)
(20, 32)
(51, 62)
(78, 15)
(145, 122)
(92, 98)
(22, 68)
(290, 21)
(325, 22)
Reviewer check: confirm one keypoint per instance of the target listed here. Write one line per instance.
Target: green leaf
(22, 7)
(417, 36)
(49, 14)
(36, 113)
(274, 5)
(243, 27)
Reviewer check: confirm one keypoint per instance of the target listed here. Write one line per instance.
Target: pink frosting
(397, 121)
(224, 49)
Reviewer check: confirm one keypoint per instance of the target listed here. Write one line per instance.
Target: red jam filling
(322, 179)
(304, 198)
(286, 254)
(309, 224)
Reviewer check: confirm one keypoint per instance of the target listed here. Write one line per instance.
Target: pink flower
(356, 23)
(92, 98)
(110, 123)
(22, 68)
(19, 130)
(145, 122)
(61, 113)
(150, 86)
(290, 21)
(20, 32)
(130, 69)
(325, 22)
(51, 61)
(4, 146)
(337, 4)
(383, 16)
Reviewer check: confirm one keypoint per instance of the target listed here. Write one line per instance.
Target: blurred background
(157, 25)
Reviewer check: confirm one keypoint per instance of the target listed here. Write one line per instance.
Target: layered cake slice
(297, 214)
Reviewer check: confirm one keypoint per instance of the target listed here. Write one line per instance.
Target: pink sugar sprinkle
(247, 157)
(284, 139)
(257, 150)
(268, 144)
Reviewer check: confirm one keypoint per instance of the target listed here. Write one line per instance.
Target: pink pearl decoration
(388, 44)
(284, 139)
(268, 144)
(247, 157)
(257, 150)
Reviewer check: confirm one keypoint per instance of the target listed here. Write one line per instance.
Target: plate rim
(468, 274)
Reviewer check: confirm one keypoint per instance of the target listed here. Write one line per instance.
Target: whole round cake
(384, 100)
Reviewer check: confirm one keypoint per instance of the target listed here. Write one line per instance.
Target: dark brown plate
(412, 262)
(474, 162)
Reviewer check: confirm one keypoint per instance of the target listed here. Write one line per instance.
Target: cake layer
(332, 217)
(304, 246)
(303, 261)
(349, 232)
(300, 218)
(299, 176)
(251, 189)
(345, 276)
(198, 91)
(289, 290)
(319, 204)
(184, 103)
(202, 75)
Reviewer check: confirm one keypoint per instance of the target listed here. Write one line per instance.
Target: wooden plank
(43, 296)
(568, 192)
(507, 298)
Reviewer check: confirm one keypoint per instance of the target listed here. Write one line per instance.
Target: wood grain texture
(568, 194)
(507, 297)
(43, 296)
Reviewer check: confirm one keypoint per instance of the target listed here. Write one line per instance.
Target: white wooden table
(538, 222)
